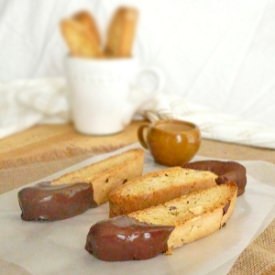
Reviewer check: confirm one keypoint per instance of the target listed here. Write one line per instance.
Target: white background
(218, 53)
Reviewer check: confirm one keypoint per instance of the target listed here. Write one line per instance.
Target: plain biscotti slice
(194, 215)
(107, 174)
(157, 187)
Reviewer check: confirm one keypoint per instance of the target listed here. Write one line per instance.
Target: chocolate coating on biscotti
(225, 208)
(225, 170)
(123, 238)
(46, 202)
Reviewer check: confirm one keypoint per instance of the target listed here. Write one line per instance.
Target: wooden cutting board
(55, 142)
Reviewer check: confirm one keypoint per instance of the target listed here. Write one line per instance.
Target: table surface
(45, 149)
(60, 146)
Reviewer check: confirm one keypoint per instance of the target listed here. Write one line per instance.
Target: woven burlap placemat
(259, 256)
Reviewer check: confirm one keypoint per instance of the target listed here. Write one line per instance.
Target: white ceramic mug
(105, 93)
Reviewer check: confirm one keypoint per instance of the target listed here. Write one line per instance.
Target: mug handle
(141, 138)
(142, 87)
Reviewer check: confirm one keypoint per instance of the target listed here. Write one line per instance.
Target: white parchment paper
(58, 247)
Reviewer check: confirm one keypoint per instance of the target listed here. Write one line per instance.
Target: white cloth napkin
(213, 124)
(26, 103)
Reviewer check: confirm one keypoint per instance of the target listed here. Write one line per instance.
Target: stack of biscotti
(108, 174)
(187, 202)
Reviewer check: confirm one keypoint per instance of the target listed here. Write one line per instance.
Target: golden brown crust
(121, 33)
(177, 182)
(79, 38)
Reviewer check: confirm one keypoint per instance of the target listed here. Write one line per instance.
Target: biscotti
(87, 20)
(121, 32)
(146, 233)
(157, 187)
(81, 41)
(225, 170)
(107, 174)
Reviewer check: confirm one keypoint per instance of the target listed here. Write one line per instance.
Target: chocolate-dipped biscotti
(146, 233)
(108, 174)
(75, 192)
(225, 170)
